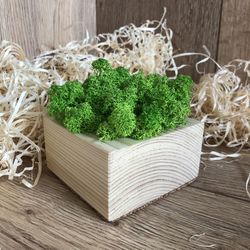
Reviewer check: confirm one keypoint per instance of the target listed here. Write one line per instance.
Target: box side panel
(82, 166)
(143, 172)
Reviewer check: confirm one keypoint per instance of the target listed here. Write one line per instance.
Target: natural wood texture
(194, 22)
(234, 31)
(230, 178)
(120, 176)
(37, 23)
(51, 216)
(48, 23)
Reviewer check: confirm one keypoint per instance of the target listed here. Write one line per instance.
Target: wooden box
(120, 176)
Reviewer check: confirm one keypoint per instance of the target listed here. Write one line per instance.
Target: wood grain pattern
(194, 22)
(234, 31)
(120, 176)
(80, 163)
(45, 23)
(230, 178)
(48, 23)
(144, 171)
(51, 216)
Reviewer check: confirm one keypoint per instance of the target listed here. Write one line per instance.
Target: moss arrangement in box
(114, 103)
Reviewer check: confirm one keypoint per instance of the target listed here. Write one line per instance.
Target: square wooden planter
(120, 176)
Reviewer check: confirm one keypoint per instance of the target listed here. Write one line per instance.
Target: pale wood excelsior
(194, 23)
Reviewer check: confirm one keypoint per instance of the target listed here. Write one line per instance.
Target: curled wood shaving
(139, 48)
(24, 85)
(247, 183)
(222, 100)
(147, 47)
(22, 96)
(194, 239)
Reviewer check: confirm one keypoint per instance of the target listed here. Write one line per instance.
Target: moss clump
(114, 103)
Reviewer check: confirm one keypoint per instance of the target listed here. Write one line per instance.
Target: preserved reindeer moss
(115, 103)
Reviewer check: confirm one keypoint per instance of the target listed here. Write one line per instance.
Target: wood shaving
(222, 101)
(147, 47)
(21, 101)
(247, 183)
(194, 239)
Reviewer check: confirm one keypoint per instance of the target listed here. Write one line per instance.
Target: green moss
(114, 103)
(122, 120)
